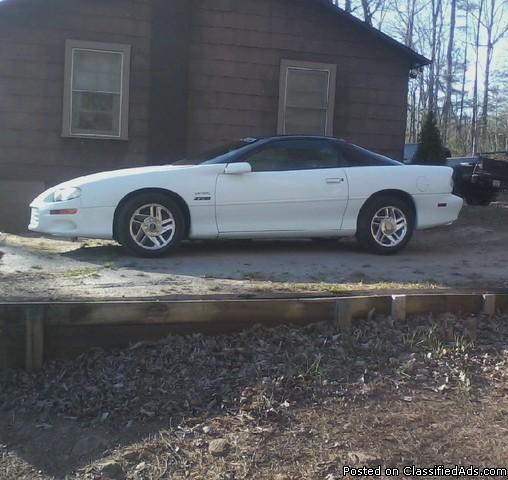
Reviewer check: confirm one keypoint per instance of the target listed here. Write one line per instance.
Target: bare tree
(465, 6)
(492, 21)
(474, 115)
(372, 8)
(436, 13)
(447, 106)
(467, 97)
(347, 5)
(412, 11)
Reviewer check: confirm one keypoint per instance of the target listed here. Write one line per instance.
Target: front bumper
(94, 222)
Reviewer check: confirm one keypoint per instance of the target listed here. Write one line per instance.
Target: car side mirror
(237, 168)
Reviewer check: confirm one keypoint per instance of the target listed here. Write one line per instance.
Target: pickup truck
(480, 179)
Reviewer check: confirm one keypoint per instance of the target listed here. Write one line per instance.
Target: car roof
(291, 137)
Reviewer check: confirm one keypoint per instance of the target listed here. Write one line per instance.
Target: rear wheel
(478, 201)
(150, 225)
(385, 225)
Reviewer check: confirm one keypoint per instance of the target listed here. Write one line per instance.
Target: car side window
(287, 155)
(354, 156)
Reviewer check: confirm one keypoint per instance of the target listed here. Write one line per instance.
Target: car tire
(478, 201)
(385, 224)
(150, 225)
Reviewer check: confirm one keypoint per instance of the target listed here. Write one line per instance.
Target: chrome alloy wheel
(389, 226)
(152, 226)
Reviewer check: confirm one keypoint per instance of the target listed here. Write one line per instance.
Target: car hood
(104, 183)
(126, 172)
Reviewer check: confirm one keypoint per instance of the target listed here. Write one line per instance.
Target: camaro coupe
(277, 187)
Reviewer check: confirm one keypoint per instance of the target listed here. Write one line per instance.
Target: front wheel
(385, 225)
(150, 225)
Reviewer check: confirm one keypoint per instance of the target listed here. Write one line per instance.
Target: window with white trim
(96, 96)
(306, 98)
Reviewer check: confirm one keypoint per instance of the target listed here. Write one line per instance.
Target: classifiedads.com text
(435, 471)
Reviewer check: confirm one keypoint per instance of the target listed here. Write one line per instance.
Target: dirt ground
(270, 404)
(471, 254)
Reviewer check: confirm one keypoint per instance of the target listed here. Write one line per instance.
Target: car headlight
(66, 193)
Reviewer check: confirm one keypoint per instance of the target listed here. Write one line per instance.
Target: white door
(296, 185)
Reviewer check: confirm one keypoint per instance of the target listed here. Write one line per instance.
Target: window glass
(96, 71)
(305, 121)
(307, 92)
(307, 88)
(96, 92)
(354, 156)
(219, 155)
(294, 155)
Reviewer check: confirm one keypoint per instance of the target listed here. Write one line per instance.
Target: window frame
(125, 50)
(285, 66)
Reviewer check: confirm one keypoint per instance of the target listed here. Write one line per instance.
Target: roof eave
(417, 60)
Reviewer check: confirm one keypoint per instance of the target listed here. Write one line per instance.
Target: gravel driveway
(471, 254)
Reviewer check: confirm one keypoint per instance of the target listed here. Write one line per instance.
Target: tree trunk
(474, 117)
(411, 25)
(447, 107)
(496, 28)
(367, 14)
(486, 89)
(436, 9)
(464, 75)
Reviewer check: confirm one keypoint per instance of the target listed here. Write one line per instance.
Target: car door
(295, 186)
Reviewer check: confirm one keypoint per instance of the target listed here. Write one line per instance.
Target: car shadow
(207, 257)
(277, 261)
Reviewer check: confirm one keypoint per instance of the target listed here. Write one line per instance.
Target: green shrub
(431, 150)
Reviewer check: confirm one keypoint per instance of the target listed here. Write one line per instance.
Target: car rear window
(355, 156)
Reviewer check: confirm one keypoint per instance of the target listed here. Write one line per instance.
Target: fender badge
(202, 196)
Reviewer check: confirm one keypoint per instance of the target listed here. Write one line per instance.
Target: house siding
(33, 153)
(169, 79)
(32, 56)
(235, 55)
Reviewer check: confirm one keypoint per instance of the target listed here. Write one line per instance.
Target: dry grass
(361, 286)
(84, 272)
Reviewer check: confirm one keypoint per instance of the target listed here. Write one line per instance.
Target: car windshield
(217, 155)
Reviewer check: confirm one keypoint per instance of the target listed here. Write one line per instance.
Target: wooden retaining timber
(31, 333)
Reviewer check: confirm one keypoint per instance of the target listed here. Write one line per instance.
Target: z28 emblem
(202, 196)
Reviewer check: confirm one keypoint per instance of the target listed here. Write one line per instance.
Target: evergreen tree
(430, 150)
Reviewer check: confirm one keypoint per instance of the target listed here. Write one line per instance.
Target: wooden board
(30, 333)
(420, 304)
(179, 312)
(12, 336)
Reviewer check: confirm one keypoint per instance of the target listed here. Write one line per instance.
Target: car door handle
(334, 180)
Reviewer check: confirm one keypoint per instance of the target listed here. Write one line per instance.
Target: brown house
(90, 85)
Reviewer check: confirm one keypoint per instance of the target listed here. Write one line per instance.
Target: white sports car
(277, 187)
